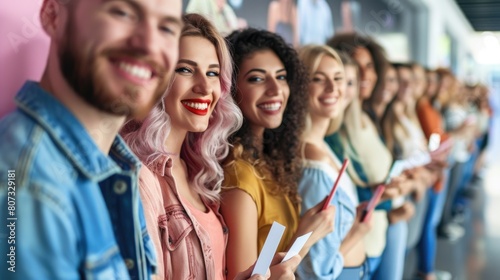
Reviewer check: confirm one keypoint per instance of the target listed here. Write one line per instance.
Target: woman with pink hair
(180, 144)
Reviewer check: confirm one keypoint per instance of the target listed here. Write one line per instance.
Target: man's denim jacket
(77, 212)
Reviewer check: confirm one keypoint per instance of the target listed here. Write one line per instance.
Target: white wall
(445, 15)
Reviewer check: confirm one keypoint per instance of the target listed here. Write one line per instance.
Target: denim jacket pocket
(177, 226)
(107, 265)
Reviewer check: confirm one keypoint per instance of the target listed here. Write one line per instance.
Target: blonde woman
(341, 254)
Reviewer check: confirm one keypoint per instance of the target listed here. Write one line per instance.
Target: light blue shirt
(77, 212)
(324, 260)
(315, 19)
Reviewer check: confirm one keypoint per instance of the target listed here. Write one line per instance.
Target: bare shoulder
(315, 152)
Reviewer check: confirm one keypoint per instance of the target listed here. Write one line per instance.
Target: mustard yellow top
(243, 175)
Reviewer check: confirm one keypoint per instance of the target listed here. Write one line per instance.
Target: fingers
(318, 206)
(278, 257)
(246, 275)
(257, 277)
(292, 263)
(390, 192)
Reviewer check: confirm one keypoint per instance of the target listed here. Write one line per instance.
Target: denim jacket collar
(72, 137)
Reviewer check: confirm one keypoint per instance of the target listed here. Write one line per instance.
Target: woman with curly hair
(180, 144)
(264, 168)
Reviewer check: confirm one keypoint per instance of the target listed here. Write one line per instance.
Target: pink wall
(23, 48)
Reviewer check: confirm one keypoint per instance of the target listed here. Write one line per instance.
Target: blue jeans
(361, 272)
(390, 265)
(428, 241)
(459, 201)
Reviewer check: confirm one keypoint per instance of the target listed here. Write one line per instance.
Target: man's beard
(80, 69)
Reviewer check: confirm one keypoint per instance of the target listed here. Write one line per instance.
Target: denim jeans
(428, 241)
(390, 265)
(361, 272)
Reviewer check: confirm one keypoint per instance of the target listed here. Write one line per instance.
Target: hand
(404, 184)
(357, 232)
(403, 213)
(440, 158)
(285, 270)
(420, 190)
(398, 186)
(246, 275)
(320, 222)
(362, 227)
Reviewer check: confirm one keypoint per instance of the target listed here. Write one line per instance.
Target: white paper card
(269, 249)
(297, 246)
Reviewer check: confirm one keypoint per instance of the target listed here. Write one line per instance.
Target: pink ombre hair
(201, 151)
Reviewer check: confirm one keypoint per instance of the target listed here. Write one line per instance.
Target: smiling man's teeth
(137, 71)
(196, 105)
(271, 106)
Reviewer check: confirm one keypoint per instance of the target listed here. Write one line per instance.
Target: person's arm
(356, 233)
(272, 16)
(150, 193)
(240, 213)
(428, 120)
(296, 27)
(330, 30)
(284, 270)
(320, 222)
(314, 187)
(322, 259)
(45, 242)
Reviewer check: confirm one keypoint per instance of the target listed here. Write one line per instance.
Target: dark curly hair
(279, 158)
(349, 42)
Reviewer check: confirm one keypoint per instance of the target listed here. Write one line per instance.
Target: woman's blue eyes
(185, 70)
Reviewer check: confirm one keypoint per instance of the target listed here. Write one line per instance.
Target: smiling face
(326, 89)
(196, 87)
(118, 55)
(263, 90)
(368, 74)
